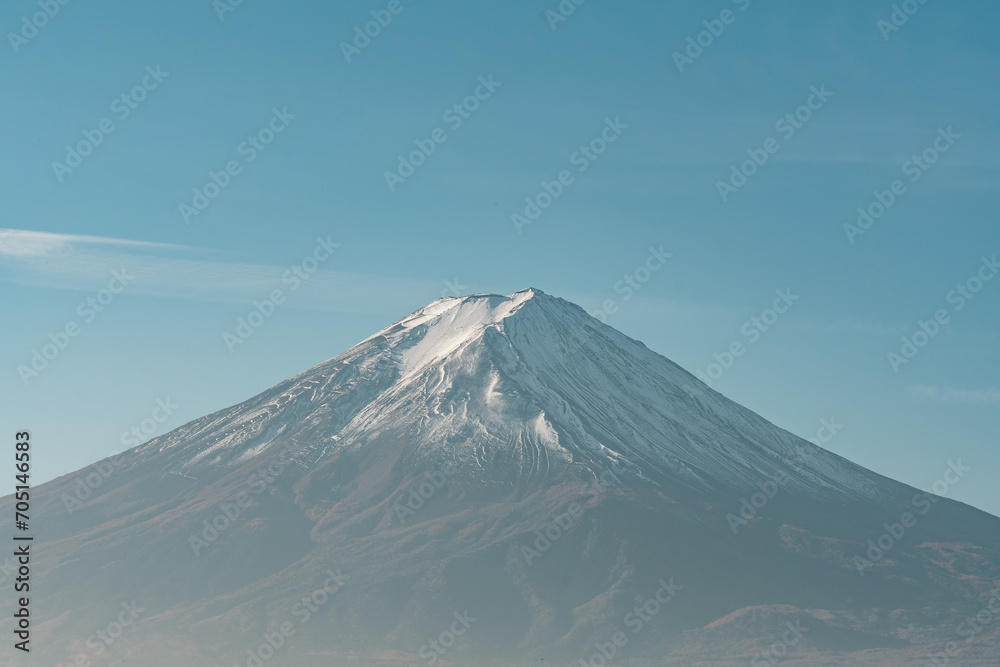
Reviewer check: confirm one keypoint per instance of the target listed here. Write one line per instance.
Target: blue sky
(267, 93)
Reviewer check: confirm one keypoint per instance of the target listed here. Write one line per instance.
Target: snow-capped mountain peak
(513, 456)
(527, 378)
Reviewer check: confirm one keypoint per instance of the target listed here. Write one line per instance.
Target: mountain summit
(504, 480)
(527, 378)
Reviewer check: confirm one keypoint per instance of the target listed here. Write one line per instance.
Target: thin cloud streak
(83, 263)
(923, 392)
(23, 243)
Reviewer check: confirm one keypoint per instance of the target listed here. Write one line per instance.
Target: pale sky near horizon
(118, 113)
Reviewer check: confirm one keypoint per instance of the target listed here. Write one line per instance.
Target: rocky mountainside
(502, 480)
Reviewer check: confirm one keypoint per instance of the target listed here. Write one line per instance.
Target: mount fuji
(501, 480)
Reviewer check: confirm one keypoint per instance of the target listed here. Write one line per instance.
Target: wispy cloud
(923, 392)
(850, 326)
(85, 263)
(22, 243)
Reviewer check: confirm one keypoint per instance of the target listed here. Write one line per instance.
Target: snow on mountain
(530, 373)
(506, 412)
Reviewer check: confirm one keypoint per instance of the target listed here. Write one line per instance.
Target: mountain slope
(514, 461)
